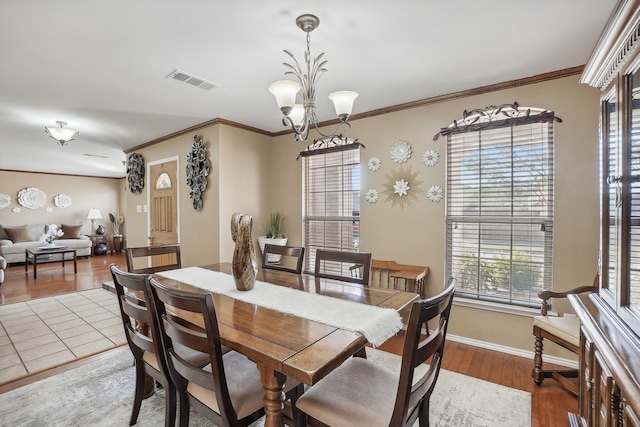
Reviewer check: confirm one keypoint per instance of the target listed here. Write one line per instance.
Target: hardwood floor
(550, 403)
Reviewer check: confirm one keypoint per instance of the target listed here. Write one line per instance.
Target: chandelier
(61, 134)
(301, 116)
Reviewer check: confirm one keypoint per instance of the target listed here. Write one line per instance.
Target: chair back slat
(417, 349)
(284, 258)
(353, 267)
(179, 313)
(153, 259)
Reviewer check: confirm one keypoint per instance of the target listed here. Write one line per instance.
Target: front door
(163, 207)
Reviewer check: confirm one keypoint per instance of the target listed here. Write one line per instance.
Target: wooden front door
(163, 208)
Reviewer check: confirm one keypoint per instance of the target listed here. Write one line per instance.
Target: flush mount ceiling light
(301, 116)
(61, 134)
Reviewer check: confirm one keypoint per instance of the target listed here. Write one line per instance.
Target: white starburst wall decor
(402, 187)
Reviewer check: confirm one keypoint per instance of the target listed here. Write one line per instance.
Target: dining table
(286, 345)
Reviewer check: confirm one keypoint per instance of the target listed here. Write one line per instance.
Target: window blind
(331, 201)
(500, 212)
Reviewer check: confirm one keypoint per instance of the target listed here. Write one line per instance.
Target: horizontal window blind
(500, 212)
(331, 201)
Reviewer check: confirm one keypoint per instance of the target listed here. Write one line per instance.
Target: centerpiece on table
(244, 263)
(52, 233)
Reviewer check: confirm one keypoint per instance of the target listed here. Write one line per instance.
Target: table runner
(377, 324)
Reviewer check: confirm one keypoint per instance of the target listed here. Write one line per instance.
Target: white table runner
(377, 324)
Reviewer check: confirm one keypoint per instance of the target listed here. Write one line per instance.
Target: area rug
(100, 394)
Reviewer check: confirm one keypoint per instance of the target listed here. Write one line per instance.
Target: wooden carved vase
(245, 265)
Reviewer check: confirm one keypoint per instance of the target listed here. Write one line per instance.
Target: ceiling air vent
(191, 80)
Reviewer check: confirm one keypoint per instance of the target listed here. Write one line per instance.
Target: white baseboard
(573, 364)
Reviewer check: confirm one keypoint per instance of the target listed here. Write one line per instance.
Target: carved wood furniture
(609, 366)
(390, 274)
(561, 330)
(154, 258)
(284, 256)
(37, 256)
(331, 265)
(375, 404)
(284, 345)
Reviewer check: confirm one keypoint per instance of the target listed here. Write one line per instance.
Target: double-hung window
(331, 197)
(500, 168)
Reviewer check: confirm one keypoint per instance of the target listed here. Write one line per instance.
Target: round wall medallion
(5, 200)
(32, 198)
(62, 200)
(400, 151)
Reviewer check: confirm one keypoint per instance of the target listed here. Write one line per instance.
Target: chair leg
(299, 418)
(184, 410)
(170, 405)
(423, 418)
(139, 392)
(537, 373)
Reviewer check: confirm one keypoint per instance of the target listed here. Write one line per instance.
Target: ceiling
(101, 66)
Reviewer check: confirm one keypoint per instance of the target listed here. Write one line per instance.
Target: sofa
(15, 239)
(3, 265)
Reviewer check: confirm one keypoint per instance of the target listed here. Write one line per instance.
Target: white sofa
(3, 265)
(14, 240)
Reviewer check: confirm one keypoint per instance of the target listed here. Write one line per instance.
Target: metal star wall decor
(402, 187)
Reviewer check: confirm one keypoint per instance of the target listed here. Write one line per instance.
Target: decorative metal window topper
(329, 145)
(494, 117)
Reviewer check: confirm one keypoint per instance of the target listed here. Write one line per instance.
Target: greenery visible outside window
(331, 197)
(500, 208)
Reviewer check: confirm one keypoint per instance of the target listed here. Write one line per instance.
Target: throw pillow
(18, 234)
(3, 234)
(35, 231)
(71, 231)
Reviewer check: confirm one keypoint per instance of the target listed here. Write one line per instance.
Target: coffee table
(43, 255)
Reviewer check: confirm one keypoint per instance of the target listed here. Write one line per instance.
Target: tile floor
(46, 332)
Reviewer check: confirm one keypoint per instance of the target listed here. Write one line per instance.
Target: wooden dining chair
(153, 259)
(228, 391)
(354, 267)
(334, 401)
(561, 330)
(284, 258)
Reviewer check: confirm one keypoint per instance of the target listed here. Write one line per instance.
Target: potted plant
(275, 235)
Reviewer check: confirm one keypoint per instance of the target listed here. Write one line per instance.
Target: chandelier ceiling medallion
(61, 134)
(301, 116)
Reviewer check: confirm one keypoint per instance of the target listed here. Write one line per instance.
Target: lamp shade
(61, 134)
(285, 92)
(343, 102)
(297, 115)
(94, 214)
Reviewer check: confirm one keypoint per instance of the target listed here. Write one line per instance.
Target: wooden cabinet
(610, 366)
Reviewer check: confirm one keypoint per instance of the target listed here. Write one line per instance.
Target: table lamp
(93, 215)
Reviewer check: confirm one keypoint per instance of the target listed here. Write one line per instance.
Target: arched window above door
(163, 181)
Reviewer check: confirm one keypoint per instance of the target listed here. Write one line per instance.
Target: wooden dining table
(284, 345)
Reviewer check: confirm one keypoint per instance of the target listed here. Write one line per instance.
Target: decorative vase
(51, 245)
(245, 265)
(100, 230)
(280, 241)
(117, 242)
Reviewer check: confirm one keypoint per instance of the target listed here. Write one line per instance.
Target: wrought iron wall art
(198, 167)
(135, 172)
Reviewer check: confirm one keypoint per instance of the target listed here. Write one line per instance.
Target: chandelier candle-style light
(61, 134)
(301, 116)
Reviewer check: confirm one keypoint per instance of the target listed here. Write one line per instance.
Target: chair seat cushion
(357, 393)
(243, 381)
(565, 327)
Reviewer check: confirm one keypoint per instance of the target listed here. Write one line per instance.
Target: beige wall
(239, 183)
(85, 193)
(416, 235)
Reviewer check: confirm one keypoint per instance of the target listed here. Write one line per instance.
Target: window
(331, 197)
(500, 204)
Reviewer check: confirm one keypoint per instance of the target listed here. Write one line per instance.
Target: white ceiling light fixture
(62, 134)
(301, 116)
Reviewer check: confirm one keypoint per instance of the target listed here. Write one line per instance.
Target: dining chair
(143, 343)
(334, 401)
(228, 391)
(283, 258)
(354, 267)
(562, 330)
(153, 259)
